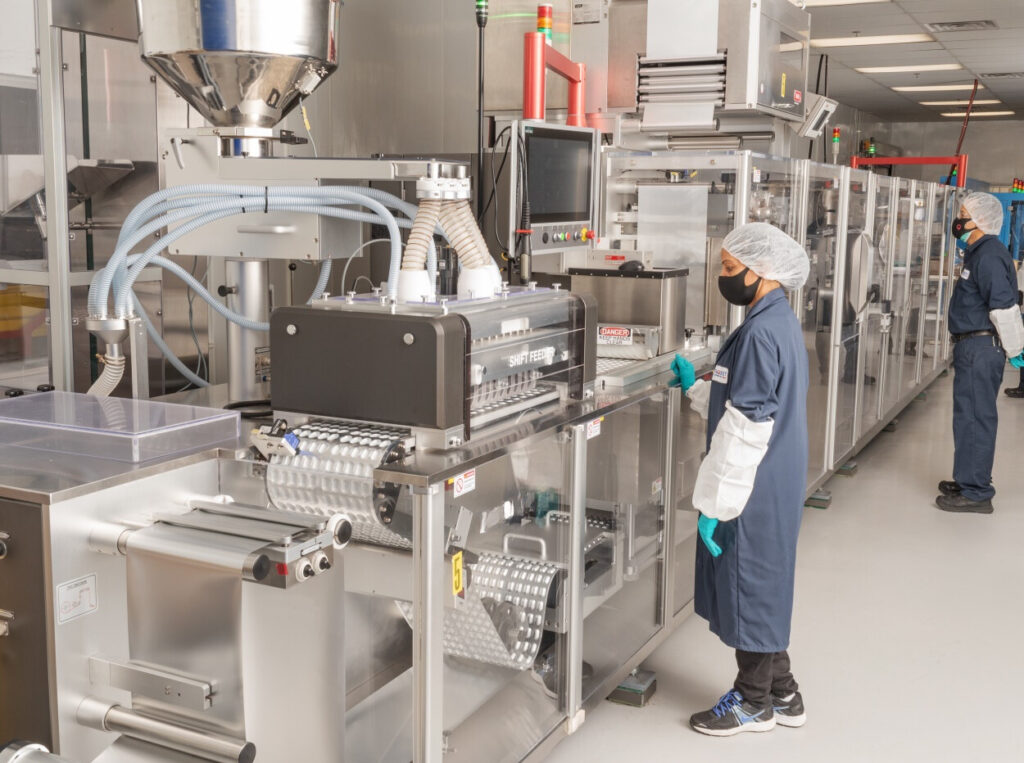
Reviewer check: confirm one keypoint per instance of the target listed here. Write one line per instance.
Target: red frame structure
(960, 160)
(538, 57)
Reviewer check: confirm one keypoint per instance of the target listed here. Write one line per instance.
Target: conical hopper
(240, 62)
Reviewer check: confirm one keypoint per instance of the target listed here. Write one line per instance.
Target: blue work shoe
(733, 715)
(789, 711)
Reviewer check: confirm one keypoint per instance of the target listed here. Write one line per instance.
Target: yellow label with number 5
(457, 582)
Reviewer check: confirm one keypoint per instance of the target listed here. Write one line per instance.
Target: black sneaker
(732, 715)
(1014, 391)
(949, 487)
(964, 505)
(789, 711)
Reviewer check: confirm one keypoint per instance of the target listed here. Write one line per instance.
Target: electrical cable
(357, 253)
(495, 177)
(363, 278)
(309, 130)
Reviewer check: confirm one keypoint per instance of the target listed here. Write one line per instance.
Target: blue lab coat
(746, 594)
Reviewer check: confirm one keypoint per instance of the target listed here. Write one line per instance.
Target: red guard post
(960, 161)
(538, 57)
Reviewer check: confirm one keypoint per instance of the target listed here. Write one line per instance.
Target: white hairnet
(770, 253)
(986, 211)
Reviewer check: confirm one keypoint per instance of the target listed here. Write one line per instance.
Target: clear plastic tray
(113, 428)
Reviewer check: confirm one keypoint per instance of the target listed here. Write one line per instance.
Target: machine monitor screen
(559, 165)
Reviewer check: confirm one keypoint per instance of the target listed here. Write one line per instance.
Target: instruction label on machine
(586, 11)
(594, 428)
(77, 598)
(615, 335)
(464, 483)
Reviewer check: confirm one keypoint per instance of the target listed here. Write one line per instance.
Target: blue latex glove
(1017, 362)
(706, 530)
(685, 375)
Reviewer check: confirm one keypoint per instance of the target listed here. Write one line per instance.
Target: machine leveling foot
(820, 499)
(636, 690)
(848, 469)
(892, 426)
(922, 395)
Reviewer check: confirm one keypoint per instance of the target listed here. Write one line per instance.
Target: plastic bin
(113, 428)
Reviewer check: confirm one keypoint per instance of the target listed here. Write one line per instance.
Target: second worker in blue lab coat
(751, 485)
(985, 323)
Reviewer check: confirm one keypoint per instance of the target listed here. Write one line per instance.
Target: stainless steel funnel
(240, 62)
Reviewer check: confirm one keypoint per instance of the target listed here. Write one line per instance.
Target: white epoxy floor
(907, 631)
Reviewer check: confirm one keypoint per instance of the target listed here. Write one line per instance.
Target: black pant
(763, 674)
(978, 363)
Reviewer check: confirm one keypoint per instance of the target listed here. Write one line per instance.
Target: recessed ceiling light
(979, 113)
(929, 88)
(820, 3)
(960, 103)
(961, 26)
(882, 39)
(901, 69)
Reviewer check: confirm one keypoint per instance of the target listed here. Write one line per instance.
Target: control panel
(561, 236)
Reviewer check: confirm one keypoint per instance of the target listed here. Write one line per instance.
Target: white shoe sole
(791, 721)
(753, 726)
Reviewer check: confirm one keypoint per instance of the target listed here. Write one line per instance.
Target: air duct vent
(1003, 75)
(961, 26)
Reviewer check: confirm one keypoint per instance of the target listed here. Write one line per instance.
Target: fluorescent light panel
(883, 39)
(991, 102)
(822, 3)
(902, 69)
(962, 114)
(933, 88)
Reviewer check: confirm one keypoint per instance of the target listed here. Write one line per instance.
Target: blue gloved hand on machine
(684, 373)
(1017, 362)
(706, 530)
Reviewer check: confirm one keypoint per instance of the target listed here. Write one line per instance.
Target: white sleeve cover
(700, 396)
(725, 479)
(1010, 329)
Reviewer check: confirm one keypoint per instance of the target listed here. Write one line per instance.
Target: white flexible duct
(463, 236)
(113, 370)
(422, 235)
(469, 222)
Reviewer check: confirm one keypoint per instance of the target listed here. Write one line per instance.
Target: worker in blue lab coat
(985, 322)
(751, 485)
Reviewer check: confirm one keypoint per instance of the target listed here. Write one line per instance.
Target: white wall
(995, 149)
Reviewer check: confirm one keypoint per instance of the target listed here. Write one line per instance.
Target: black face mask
(960, 229)
(736, 291)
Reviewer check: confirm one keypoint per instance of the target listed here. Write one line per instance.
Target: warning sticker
(798, 96)
(464, 483)
(77, 598)
(594, 428)
(783, 93)
(615, 335)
